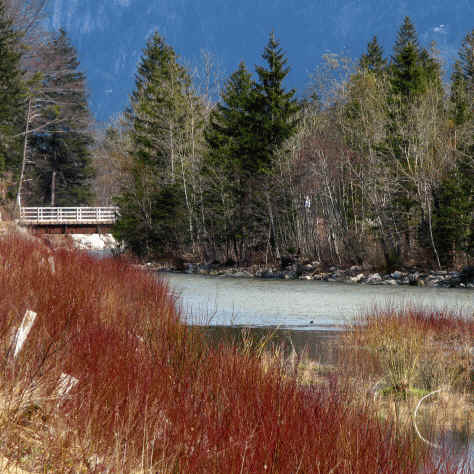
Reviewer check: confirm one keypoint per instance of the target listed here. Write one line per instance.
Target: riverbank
(287, 270)
(314, 271)
(86, 347)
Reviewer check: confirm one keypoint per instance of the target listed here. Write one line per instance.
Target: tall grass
(400, 358)
(152, 396)
(414, 348)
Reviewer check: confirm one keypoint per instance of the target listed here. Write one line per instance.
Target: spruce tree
(233, 157)
(60, 146)
(276, 112)
(373, 60)
(406, 35)
(406, 68)
(454, 204)
(152, 203)
(11, 93)
(157, 113)
(412, 67)
(462, 82)
(413, 73)
(453, 213)
(276, 108)
(230, 126)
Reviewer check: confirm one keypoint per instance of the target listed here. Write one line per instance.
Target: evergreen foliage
(157, 112)
(244, 134)
(276, 108)
(406, 35)
(454, 204)
(382, 173)
(453, 212)
(413, 70)
(60, 144)
(152, 203)
(11, 93)
(373, 60)
(234, 156)
(462, 82)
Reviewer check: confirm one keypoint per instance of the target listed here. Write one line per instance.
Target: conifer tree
(152, 203)
(230, 126)
(453, 212)
(407, 73)
(276, 113)
(157, 113)
(11, 92)
(406, 35)
(373, 60)
(276, 108)
(454, 203)
(462, 82)
(60, 146)
(233, 158)
(412, 68)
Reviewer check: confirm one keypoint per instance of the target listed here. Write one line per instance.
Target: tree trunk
(25, 151)
(53, 189)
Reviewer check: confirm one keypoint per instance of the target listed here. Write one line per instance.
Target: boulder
(241, 274)
(374, 279)
(358, 278)
(413, 278)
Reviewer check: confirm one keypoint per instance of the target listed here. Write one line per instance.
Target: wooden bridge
(69, 220)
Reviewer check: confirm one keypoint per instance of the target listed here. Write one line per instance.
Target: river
(298, 304)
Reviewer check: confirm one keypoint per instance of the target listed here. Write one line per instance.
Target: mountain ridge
(110, 35)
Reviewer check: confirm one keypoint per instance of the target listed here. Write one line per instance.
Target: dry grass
(392, 358)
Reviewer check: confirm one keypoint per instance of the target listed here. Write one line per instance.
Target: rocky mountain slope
(110, 34)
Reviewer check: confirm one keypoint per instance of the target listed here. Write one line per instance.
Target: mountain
(110, 34)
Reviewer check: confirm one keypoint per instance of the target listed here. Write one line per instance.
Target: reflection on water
(297, 304)
(318, 345)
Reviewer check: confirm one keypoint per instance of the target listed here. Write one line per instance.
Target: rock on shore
(352, 275)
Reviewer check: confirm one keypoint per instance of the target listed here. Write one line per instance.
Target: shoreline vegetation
(108, 379)
(288, 267)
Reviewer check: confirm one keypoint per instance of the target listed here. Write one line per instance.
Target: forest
(373, 163)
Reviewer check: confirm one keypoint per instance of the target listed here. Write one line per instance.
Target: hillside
(110, 35)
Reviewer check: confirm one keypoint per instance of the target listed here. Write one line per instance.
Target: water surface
(298, 304)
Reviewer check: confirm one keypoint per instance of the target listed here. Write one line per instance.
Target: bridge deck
(68, 215)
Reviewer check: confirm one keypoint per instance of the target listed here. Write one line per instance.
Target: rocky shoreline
(313, 271)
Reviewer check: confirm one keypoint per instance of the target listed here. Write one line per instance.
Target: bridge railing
(68, 215)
